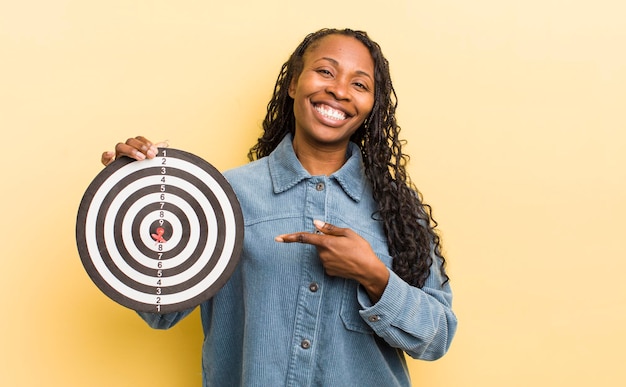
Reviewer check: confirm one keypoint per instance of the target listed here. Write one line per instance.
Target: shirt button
(319, 186)
(374, 318)
(314, 287)
(305, 344)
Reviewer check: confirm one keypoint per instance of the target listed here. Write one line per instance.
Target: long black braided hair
(407, 221)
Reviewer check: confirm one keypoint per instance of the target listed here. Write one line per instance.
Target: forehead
(343, 49)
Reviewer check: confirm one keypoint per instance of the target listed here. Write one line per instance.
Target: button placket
(309, 301)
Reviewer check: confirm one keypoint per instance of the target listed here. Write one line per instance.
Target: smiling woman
(357, 278)
(333, 96)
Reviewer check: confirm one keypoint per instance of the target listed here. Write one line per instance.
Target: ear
(293, 85)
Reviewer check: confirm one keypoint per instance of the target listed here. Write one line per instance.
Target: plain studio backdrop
(514, 116)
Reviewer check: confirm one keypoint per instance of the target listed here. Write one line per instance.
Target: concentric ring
(160, 235)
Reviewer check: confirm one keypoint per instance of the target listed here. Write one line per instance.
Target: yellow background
(514, 113)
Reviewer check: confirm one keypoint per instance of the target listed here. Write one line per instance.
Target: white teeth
(331, 113)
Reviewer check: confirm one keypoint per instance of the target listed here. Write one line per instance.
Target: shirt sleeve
(418, 321)
(164, 321)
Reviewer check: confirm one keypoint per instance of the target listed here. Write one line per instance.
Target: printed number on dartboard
(162, 189)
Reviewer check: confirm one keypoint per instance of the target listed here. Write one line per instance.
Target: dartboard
(159, 235)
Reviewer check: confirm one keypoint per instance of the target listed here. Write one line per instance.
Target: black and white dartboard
(159, 235)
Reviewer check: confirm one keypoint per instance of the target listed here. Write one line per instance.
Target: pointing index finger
(299, 237)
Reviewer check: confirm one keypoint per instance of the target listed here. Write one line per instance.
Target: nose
(339, 89)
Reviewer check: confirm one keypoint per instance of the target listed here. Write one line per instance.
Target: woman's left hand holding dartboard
(158, 230)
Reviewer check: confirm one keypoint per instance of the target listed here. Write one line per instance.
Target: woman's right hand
(138, 148)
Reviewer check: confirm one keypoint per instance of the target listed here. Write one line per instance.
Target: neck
(320, 160)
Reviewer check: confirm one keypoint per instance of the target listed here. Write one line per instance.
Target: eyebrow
(334, 61)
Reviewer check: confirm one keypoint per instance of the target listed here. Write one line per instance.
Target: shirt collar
(286, 170)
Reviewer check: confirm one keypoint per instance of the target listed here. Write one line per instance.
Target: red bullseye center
(161, 231)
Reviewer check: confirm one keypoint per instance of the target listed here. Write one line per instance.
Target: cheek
(367, 104)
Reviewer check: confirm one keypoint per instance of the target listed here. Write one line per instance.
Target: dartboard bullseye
(160, 235)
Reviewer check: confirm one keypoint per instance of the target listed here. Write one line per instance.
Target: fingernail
(318, 223)
(151, 153)
(139, 155)
(279, 239)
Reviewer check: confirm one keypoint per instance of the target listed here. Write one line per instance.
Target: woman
(357, 278)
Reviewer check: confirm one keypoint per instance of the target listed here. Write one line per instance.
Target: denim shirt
(281, 321)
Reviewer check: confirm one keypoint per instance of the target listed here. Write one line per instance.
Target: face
(334, 93)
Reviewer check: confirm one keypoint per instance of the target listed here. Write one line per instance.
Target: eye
(325, 72)
(361, 86)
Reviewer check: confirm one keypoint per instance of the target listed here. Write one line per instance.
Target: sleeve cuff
(381, 314)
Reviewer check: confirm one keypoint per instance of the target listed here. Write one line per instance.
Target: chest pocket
(350, 307)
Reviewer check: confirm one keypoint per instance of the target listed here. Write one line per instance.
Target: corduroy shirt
(281, 321)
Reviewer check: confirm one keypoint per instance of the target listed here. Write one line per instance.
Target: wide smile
(330, 113)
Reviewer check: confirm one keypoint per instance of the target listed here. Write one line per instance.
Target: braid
(407, 221)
